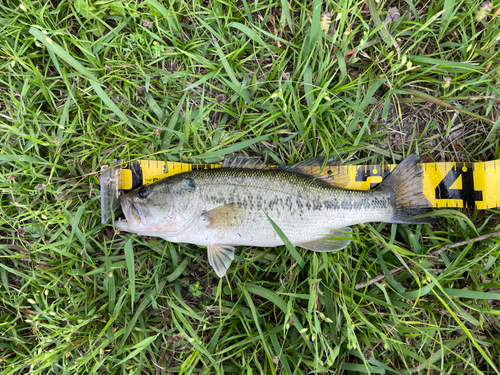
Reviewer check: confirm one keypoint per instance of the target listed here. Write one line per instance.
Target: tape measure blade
(448, 184)
(491, 184)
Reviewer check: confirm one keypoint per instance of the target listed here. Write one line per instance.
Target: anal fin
(220, 258)
(329, 242)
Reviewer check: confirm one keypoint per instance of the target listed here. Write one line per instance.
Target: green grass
(194, 81)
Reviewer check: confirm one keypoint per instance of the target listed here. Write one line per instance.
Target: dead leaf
(351, 52)
(272, 19)
(496, 14)
(393, 15)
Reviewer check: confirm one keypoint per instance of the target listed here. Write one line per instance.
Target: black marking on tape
(137, 174)
(362, 174)
(197, 167)
(467, 194)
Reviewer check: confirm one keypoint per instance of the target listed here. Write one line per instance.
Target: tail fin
(405, 186)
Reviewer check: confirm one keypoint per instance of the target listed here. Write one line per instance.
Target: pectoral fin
(220, 258)
(225, 217)
(328, 242)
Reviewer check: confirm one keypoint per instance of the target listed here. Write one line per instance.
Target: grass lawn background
(83, 82)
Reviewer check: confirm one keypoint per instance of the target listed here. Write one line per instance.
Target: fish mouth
(135, 213)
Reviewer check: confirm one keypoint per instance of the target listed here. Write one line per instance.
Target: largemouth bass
(227, 207)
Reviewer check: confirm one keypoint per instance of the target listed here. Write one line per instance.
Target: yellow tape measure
(472, 185)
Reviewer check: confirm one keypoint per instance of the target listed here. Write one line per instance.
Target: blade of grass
(434, 100)
(276, 300)
(381, 27)
(460, 66)
(263, 339)
(145, 302)
(138, 348)
(277, 348)
(129, 258)
(287, 242)
(178, 271)
(248, 32)
(461, 324)
(447, 16)
(360, 109)
(315, 25)
(234, 148)
(55, 48)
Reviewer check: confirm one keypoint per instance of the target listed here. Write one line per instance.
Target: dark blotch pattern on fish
(259, 203)
(346, 205)
(380, 202)
(359, 204)
(331, 204)
(319, 197)
(317, 205)
(299, 203)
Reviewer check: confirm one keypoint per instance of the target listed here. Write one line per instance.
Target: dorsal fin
(328, 170)
(237, 161)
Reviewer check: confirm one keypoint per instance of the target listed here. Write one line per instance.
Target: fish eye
(143, 192)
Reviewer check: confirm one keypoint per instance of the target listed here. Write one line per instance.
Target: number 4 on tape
(471, 185)
(461, 172)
